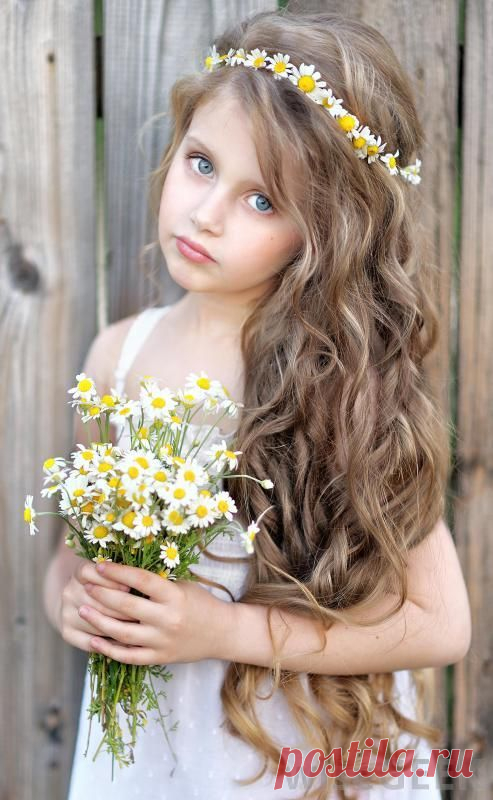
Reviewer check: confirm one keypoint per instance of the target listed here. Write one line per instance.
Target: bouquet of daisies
(152, 505)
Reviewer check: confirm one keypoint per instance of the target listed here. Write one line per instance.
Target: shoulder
(104, 351)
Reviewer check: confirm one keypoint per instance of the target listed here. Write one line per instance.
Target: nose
(210, 212)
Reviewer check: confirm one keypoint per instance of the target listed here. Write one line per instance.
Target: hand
(73, 628)
(178, 621)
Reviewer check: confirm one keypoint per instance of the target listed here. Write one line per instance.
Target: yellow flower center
(229, 454)
(84, 385)
(100, 531)
(171, 552)
(208, 62)
(104, 466)
(128, 519)
(87, 454)
(107, 400)
(372, 149)
(175, 517)
(50, 462)
(27, 515)
(142, 461)
(87, 508)
(179, 493)
(78, 492)
(306, 83)
(149, 538)
(205, 493)
(392, 162)
(223, 505)
(347, 122)
(110, 516)
(359, 142)
(113, 481)
(257, 62)
(327, 102)
(158, 402)
(94, 411)
(143, 433)
(175, 418)
(160, 475)
(133, 472)
(202, 511)
(147, 521)
(189, 475)
(204, 383)
(280, 66)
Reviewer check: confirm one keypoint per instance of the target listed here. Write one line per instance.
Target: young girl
(283, 214)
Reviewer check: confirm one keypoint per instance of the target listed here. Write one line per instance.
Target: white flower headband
(365, 144)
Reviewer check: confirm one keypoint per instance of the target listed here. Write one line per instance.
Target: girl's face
(215, 196)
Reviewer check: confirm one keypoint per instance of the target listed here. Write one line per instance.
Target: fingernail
(100, 567)
(89, 586)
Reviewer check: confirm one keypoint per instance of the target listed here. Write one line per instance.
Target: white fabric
(209, 759)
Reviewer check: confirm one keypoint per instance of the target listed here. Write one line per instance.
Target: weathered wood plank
(47, 319)
(473, 687)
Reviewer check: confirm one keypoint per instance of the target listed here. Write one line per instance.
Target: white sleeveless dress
(208, 758)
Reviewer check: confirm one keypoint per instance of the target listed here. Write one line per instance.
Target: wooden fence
(71, 235)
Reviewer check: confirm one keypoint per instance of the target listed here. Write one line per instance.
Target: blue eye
(265, 199)
(200, 158)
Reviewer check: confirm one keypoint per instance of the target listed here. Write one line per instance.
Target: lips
(195, 246)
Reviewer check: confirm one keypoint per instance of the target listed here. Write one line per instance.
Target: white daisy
(256, 58)
(332, 104)
(131, 409)
(203, 512)
(85, 389)
(181, 492)
(74, 494)
(175, 520)
(280, 65)
(361, 139)
(411, 172)
(238, 57)
(30, 514)
(99, 534)
(192, 472)
(190, 397)
(169, 554)
(249, 535)
(203, 385)
(348, 122)
(389, 159)
(375, 149)
(225, 504)
(157, 403)
(126, 524)
(212, 58)
(146, 523)
(306, 79)
(220, 455)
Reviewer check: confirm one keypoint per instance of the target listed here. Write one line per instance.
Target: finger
(126, 655)
(148, 583)
(131, 606)
(89, 598)
(130, 633)
(86, 572)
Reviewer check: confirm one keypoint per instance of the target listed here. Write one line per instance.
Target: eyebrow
(193, 140)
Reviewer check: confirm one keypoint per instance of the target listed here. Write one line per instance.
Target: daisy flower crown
(365, 143)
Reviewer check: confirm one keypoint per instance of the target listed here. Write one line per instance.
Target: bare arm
(99, 364)
(432, 629)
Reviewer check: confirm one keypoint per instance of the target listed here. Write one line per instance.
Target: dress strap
(138, 332)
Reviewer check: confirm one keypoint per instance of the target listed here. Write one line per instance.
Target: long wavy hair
(337, 403)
